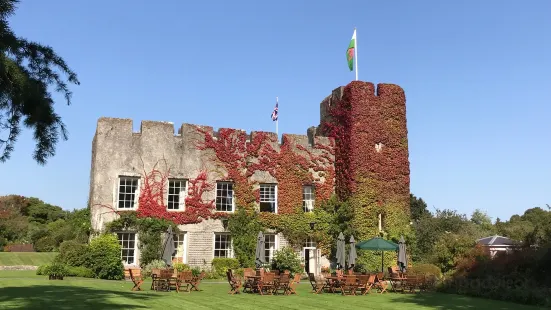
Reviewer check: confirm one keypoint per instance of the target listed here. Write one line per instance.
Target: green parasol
(378, 244)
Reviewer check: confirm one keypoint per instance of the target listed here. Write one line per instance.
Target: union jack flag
(274, 113)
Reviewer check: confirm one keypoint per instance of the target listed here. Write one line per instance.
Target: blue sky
(477, 78)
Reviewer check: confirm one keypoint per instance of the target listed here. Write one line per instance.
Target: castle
(359, 152)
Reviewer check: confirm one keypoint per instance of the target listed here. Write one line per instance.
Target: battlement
(191, 133)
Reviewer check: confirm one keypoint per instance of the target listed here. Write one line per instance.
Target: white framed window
(128, 192)
(222, 245)
(270, 246)
(224, 197)
(268, 198)
(127, 240)
(308, 198)
(177, 193)
(180, 248)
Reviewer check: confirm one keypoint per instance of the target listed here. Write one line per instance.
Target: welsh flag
(350, 51)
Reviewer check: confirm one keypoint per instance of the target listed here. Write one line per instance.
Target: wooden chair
(349, 286)
(155, 275)
(137, 279)
(195, 281)
(235, 283)
(293, 284)
(282, 284)
(248, 282)
(318, 284)
(267, 283)
(184, 279)
(380, 283)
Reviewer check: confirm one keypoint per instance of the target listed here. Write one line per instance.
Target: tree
(483, 221)
(418, 208)
(27, 70)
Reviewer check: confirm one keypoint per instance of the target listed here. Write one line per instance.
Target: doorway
(310, 260)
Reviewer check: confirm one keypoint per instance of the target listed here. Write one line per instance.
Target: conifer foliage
(27, 71)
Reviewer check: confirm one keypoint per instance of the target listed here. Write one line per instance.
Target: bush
(105, 257)
(41, 270)
(287, 259)
(45, 244)
(55, 269)
(73, 253)
(155, 264)
(82, 272)
(427, 269)
(509, 277)
(221, 265)
(181, 267)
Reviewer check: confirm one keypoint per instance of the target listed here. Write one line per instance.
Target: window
(180, 244)
(224, 197)
(268, 198)
(177, 190)
(128, 247)
(128, 190)
(308, 198)
(222, 246)
(269, 247)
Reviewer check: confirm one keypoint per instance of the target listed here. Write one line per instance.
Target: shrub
(427, 269)
(82, 272)
(105, 260)
(154, 264)
(221, 265)
(73, 253)
(287, 259)
(508, 277)
(41, 270)
(181, 267)
(45, 244)
(56, 269)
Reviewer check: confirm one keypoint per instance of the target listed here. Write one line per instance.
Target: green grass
(37, 292)
(26, 258)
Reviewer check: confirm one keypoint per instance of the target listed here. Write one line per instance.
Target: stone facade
(121, 158)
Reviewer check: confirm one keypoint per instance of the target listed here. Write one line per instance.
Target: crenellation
(365, 114)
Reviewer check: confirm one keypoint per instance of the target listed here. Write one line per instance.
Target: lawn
(26, 258)
(36, 292)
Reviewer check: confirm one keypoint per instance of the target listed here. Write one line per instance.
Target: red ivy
(291, 167)
(360, 120)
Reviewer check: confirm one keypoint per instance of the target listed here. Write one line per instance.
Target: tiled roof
(496, 240)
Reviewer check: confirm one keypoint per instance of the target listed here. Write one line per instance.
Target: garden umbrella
(341, 251)
(402, 256)
(260, 255)
(378, 244)
(352, 254)
(169, 247)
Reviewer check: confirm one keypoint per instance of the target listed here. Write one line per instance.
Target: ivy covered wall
(371, 155)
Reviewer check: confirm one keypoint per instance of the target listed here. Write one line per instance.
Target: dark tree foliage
(27, 70)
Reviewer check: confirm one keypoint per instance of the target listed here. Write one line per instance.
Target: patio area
(23, 290)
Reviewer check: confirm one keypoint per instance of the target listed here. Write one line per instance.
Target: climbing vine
(292, 166)
(149, 231)
(371, 159)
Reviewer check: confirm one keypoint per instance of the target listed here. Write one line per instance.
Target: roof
(496, 241)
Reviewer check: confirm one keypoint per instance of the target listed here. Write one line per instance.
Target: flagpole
(356, 52)
(277, 120)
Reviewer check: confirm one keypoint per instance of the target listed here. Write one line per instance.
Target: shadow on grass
(457, 302)
(68, 297)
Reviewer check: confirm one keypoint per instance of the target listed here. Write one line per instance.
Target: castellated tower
(371, 154)
(199, 175)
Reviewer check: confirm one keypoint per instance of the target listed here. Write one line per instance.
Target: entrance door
(310, 261)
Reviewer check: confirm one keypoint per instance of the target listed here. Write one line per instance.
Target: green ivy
(150, 233)
(244, 226)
